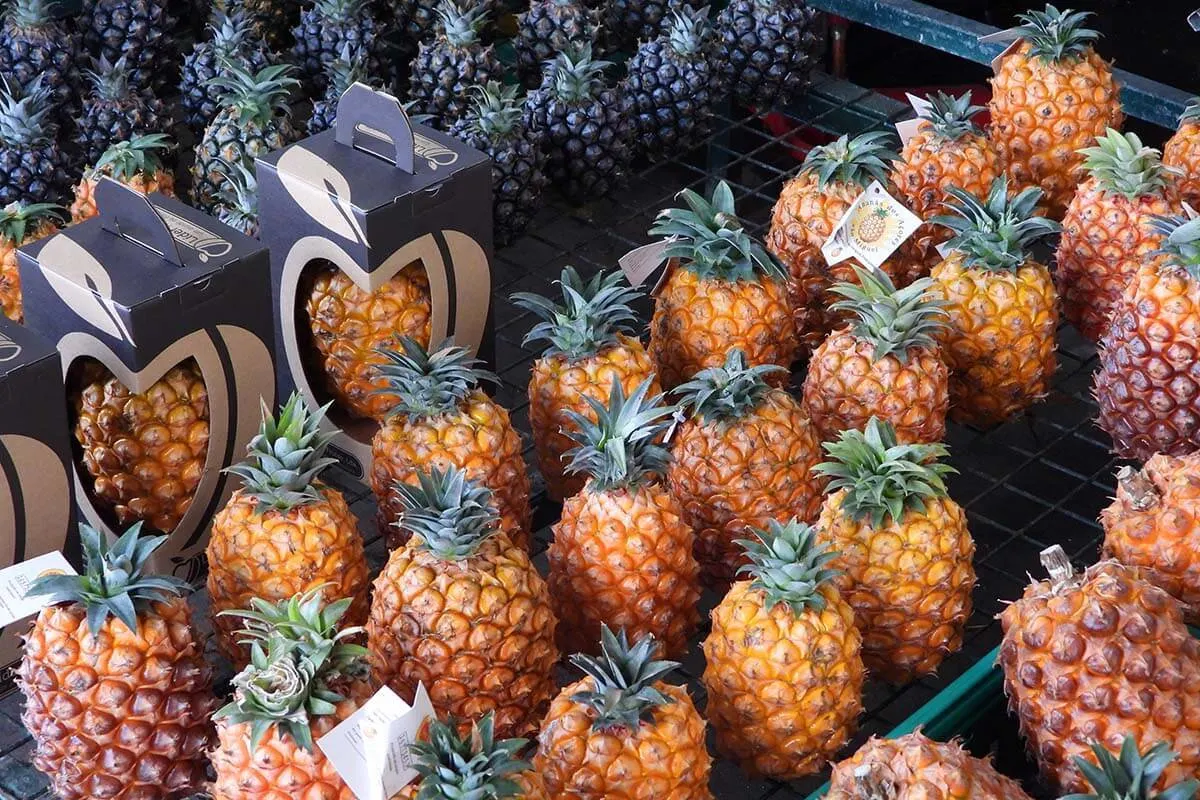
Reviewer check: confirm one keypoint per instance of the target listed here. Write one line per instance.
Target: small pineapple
(477, 765)
(34, 167)
(768, 50)
(550, 27)
(115, 111)
(36, 43)
(324, 29)
(21, 224)
(349, 68)
(143, 32)
(134, 163)
(454, 63)
(237, 201)
(233, 38)
(1182, 152)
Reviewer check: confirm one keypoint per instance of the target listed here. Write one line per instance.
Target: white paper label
(16, 580)
(944, 249)
(1013, 46)
(907, 128)
(639, 264)
(370, 748)
(871, 229)
(919, 104)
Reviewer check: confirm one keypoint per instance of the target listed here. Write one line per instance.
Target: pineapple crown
(257, 96)
(449, 514)
(624, 694)
(238, 196)
(285, 458)
(348, 68)
(589, 318)
(30, 14)
(728, 392)
(1055, 35)
(16, 217)
(1131, 775)
(895, 321)
(426, 384)
(949, 116)
(461, 23)
(123, 160)
(496, 111)
(881, 477)
(339, 11)
(788, 564)
(25, 114)
(620, 448)
(688, 30)
(114, 582)
(474, 767)
(1121, 164)
(711, 241)
(232, 32)
(1191, 112)
(110, 80)
(575, 76)
(995, 234)
(298, 657)
(859, 161)
(1181, 240)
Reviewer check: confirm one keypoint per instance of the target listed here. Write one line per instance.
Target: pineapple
(1131, 775)
(1106, 230)
(1145, 386)
(915, 766)
(768, 50)
(1103, 653)
(450, 66)
(1000, 303)
(1051, 97)
(237, 202)
(439, 418)
(621, 732)
(745, 456)
(590, 344)
(476, 766)
(1182, 152)
(132, 162)
(34, 167)
(722, 291)
(904, 550)
(783, 668)
(622, 553)
(21, 224)
(233, 38)
(36, 43)
(283, 533)
(349, 68)
(302, 680)
(143, 32)
(325, 28)
(461, 609)
(809, 208)
(886, 364)
(117, 693)
(114, 110)
(549, 27)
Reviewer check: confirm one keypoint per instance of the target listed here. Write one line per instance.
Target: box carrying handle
(373, 118)
(129, 214)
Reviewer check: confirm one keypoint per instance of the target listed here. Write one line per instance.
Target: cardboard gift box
(147, 285)
(371, 196)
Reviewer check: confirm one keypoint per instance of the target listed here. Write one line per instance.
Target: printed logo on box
(187, 233)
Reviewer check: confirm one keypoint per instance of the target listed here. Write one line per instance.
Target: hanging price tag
(15, 602)
(639, 264)
(908, 128)
(871, 229)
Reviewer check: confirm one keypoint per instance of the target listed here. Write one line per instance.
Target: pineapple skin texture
(697, 321)
(730, 476)
(624, 557)
(478, 439)
(1146, 386)
(784, 689)
(1043, 112)
(909, 583)
(277, 555)
(999, 341)
(348, 324)
(1182, 151)
(479, 633)
(1105, 656)
(84, 205)
(664, 759)
(846, 386)
(558, 384)
(1105, 239)
(10, 275)
(124, 714)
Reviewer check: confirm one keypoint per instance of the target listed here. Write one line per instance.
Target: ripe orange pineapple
(1182, 152)
(349, 325)
(621, 732)
(745, 456)
(622, 552)
(590, 345)
(283, 532)
(134, 163)
(809, 208)
(1051, 97)
(1000, 303)
(904, 552)
(21, 224)
(475, 766)
(722, 290)
(886, 363)
(462, 609)
(1100, 654)
(439, 418)
(784, 674)
(145, 451)
(303, 679)
(117, 692)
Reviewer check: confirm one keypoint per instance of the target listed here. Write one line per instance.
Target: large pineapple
(453, 64)
(886, 363)
(133, 162)
(461, 609)
(622, 552)
(34, 167)
(621, 732)
(1182, 152)
(723, 291)
(232, 38)
(440, 418)
(1051, 97)
(1000, 303)
(115, 111)
(117, 693)
(549, 27)
(36, 43)
(783, 668)
(745, 456)
(21, 224)
(325, 28)
(474, 766)
(1106, 232)
(903, 547)
(768, 50)
(143, 32)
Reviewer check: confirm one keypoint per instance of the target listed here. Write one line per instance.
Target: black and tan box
(371, 196)
(146, 285)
